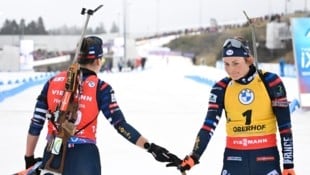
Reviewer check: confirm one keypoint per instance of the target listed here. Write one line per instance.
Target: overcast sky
(144, 16)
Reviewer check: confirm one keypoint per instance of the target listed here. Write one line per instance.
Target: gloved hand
(288, 172)
(30, 160)
(160, 154)
(187, 163)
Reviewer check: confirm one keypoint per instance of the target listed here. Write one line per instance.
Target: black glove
(187, 163)
(30, 160)
(160, 154)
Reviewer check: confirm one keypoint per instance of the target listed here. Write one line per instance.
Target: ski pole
(253, 39)
(89, 13)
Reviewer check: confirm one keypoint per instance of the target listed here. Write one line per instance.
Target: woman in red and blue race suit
(82, 155)
(256, 107)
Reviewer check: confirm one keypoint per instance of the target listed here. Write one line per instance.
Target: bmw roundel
(246, 96)
(91, 84)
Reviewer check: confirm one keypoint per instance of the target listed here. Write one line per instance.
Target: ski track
(164, 106)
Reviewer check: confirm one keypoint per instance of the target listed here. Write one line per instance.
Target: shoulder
(59, 76)
(220, 86)
(271, 79)
(222, 83)
(103, 85)
(274, 85)
(218, 90)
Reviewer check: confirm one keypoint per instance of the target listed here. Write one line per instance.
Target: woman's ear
(98, 61)
(250, 60)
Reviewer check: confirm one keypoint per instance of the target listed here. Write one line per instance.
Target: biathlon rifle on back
(66, 112)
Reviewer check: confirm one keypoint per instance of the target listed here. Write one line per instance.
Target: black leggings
(251, 162)
(81, 159)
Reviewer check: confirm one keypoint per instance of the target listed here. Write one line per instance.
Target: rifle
(251, 23)
(66, 112)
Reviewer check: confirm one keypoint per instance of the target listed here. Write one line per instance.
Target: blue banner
(301, 45)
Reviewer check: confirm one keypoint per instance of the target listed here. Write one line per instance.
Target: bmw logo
(91, 84)
(246, 96)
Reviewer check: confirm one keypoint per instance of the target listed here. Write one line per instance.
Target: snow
(163, 104)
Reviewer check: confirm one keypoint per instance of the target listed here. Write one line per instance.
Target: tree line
(12, 27)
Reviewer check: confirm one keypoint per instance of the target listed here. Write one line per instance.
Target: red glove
(188, 162)
(288, 172)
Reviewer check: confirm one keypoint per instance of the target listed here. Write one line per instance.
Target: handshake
(163, 155)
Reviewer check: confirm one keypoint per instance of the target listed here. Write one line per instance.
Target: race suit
(256, 107)
(82, 156)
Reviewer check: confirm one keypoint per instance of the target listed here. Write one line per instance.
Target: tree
(22, 25)
(14, 27)
(6, 27)
(40, 27)
(10, 28)
(31, 28)
(100, 29)
(114, 28)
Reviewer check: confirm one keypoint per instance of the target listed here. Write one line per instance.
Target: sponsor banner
(301, 45)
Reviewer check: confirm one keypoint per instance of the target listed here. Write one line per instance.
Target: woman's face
(236, 67)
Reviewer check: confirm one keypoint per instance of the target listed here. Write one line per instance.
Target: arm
(36, 125)
(30, 147)
(111, 110)
(141, 142)
(31, 144)
(281, 110)
(108, 105)
(215, 108)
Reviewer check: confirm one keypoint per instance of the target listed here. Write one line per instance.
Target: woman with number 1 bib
(256, 109)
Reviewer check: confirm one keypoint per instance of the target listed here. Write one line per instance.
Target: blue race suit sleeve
(281, 110)
(39, 114)
(111, 110)
(215, 108)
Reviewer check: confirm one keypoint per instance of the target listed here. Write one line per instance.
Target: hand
(187, 163)
(175, 162)
(288, 172)
(161, 154)
(30, 160)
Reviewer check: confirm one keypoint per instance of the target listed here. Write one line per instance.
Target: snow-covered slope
(164, 104)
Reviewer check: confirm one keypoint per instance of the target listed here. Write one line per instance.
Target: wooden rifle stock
(67, 116)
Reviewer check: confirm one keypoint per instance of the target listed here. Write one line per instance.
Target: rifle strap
(261, 75)
(85, 126)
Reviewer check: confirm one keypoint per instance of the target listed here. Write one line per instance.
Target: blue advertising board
(301, 45)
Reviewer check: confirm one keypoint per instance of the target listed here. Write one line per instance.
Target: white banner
(26, 55)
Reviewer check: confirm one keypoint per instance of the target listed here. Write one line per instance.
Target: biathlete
(256, 108)
(82, 155)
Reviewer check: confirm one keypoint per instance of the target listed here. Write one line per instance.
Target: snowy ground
(163, 105)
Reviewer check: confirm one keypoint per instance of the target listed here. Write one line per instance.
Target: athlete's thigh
(265, 162)
(82, 159)
(235, 162)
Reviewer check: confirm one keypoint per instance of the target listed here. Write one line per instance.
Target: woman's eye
(235, 64)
